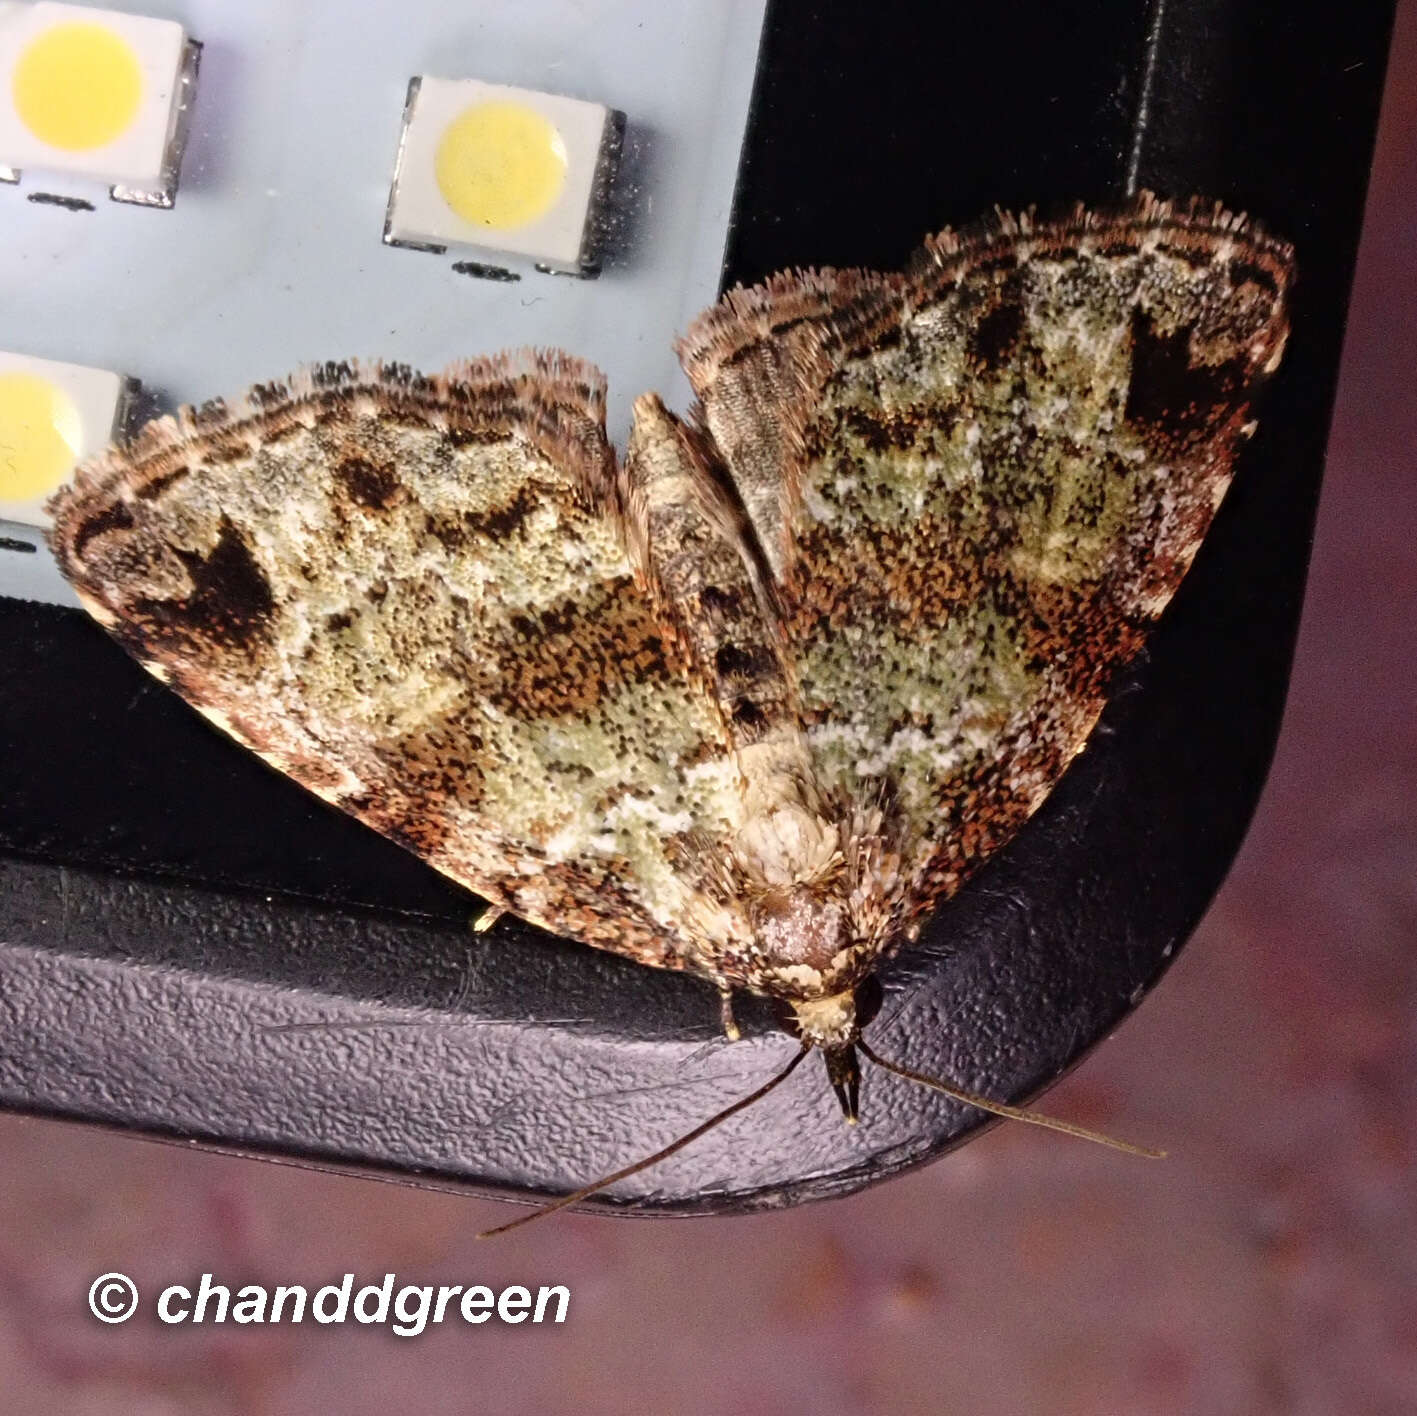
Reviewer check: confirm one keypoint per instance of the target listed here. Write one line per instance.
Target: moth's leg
(725, 1013)
(487, 919)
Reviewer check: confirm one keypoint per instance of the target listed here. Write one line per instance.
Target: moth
(754, 699)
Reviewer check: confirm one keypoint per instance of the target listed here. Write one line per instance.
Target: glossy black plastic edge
(517, 1064)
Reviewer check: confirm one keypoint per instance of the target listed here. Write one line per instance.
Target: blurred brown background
(1269, 1266)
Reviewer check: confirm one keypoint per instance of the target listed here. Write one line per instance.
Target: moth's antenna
(1013, 1113)
(586, 1191)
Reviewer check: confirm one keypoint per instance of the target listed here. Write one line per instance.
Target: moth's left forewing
(997, 474)
(412, 595)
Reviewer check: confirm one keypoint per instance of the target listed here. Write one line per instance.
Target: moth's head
(834, 1025)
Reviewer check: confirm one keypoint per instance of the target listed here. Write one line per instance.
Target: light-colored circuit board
(272, 255)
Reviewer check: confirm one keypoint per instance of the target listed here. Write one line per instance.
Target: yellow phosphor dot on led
(77, 86)
(500, 165)
(502, 171)
(41, 434)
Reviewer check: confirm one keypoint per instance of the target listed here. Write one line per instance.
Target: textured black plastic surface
(167, 905)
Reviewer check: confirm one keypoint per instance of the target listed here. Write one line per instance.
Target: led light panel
(503, 171)
(51, 416)
(94, 94)
(273, 256)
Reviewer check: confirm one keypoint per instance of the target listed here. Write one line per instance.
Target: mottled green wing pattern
(412, 595)
(750, 703)
(979, 484)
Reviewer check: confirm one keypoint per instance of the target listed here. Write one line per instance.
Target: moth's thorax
(788, 845)
(791, 854)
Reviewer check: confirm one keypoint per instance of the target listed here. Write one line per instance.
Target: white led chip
(94, 94)
(52, 416)
(505, 171)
